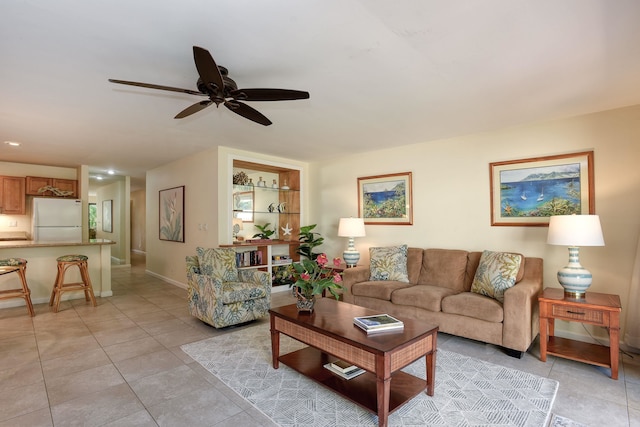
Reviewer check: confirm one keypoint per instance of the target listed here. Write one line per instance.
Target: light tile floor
(120, 364)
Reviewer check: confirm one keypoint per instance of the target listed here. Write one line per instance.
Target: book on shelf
(346, 376)
(344, 367)
(248, 258)
(378, 323)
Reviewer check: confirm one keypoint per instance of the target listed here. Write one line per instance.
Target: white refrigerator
(56, 220)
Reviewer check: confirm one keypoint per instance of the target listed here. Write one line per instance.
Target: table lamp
(574, 231)
(237, 226)
(351, 227)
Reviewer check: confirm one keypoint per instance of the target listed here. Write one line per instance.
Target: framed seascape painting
(172, 214)
(386, 199)
(527, 192)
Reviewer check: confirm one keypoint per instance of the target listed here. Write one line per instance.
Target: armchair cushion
(219, 263)
(241, 291)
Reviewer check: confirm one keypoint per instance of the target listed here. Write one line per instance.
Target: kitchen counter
(42, 267)
(9, 244)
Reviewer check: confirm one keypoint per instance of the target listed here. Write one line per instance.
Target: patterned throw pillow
(219, 263)
(389, 263)
(496, 273)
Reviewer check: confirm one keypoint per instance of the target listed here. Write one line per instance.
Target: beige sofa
(438, 292)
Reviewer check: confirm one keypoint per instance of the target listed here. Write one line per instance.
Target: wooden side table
(595, 309)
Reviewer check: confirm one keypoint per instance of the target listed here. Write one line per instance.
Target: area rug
(468, 391)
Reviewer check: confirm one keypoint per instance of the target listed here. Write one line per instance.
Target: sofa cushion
(497, 272)
(444, 268)
(389, 263)
(472, 265)
(379, 290)
(421, 296)
(473, 305)
(218, 262)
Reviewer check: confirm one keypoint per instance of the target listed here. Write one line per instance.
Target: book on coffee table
(344, 367)
(346, 376)
(378, 323)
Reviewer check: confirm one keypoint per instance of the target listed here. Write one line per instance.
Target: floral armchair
(222, 295)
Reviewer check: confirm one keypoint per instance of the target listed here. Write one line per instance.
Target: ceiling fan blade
(152, 86)
(207, 68)
(269, 94)
(247, 112)
(193, 109)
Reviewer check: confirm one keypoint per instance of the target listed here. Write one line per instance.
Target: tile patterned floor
(120, 364)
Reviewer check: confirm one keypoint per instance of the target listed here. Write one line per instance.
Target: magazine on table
(347, 376)
(344, 367)
(378, 322)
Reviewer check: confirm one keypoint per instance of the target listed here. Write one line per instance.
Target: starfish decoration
(286, 230)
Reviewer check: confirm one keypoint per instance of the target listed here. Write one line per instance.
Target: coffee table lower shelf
(361, 390)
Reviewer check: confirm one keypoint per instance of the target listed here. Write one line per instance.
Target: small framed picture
(527, 192)
(172, 214)
(107, 213)
(386, 199)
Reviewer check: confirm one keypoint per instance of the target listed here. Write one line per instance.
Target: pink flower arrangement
(313, 277)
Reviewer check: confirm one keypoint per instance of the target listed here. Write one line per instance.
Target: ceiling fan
(214, 82)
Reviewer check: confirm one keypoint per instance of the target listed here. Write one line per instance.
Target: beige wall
(208, 187)
(199, 175)
(138, 221)
(118, 193)
(451, 195)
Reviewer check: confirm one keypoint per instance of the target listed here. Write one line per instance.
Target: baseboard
(167, 279)
(138, 251)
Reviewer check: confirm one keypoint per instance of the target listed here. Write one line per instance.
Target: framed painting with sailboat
(527, 192)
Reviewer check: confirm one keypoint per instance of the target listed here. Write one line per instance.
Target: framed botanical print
(172, 214)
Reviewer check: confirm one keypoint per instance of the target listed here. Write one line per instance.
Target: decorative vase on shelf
(275, 184)
(261, 183)
(304, 304)
(285, 186)
(250, 184)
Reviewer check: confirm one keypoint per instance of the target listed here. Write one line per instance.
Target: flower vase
(304, 304)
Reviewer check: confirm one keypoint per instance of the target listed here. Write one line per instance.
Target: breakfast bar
(42, 266)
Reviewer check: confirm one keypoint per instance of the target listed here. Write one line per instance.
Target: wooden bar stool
(64, 262)
(17, 265)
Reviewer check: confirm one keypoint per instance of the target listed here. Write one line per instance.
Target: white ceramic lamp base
(351, 256)
(574, 278)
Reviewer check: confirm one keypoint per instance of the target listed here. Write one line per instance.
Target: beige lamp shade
(351, 227)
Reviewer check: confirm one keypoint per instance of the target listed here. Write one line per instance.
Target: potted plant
(265, 233)
(308, 241)
(313, 277)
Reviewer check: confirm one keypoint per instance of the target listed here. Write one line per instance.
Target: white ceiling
(379, 72)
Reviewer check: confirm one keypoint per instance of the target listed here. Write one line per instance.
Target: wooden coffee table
(330, 333)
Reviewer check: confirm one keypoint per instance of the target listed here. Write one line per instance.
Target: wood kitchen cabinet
(12, 195)
(35, 183)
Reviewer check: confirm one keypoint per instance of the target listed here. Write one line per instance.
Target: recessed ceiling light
(99, 178)
(12, 143)
(111, 171)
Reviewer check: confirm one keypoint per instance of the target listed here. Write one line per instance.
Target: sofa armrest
(521, 315)
(350, 276)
